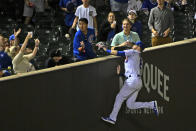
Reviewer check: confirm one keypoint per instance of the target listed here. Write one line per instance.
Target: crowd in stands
(83, 23)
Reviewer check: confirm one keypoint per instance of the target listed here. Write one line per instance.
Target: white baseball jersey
(133, 62)
(131, 86)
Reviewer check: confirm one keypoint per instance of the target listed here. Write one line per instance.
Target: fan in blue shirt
(149, 4)
(69, 6)
(82, 44)
(5, 60)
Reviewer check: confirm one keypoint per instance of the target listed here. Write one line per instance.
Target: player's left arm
(114, 52)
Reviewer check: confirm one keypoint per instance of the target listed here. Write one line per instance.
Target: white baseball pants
(129, 92)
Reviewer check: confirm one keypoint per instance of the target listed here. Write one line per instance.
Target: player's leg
(120, 98)
(132, 104)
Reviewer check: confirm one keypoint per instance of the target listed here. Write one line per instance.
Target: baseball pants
(129, 92)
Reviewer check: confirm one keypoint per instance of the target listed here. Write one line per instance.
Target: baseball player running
(132, 84)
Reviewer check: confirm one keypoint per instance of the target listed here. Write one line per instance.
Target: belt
(132, 76)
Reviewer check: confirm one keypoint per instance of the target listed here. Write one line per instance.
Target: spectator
(109, 28)
(136, 24)
(86, 11)
(5, 60)
(30, 6)
(119, 5)
(69, 7)
(6, 42)
(2, 43)
(4, 73)
(161, 22)
(126, 37)
(21, 62)
(82, 45)
(14, 42)
(134, 5)
(147, 5)
(56, 59)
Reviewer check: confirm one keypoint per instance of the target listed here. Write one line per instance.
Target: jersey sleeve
(120, 53)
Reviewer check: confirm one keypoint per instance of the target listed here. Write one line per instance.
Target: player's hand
(82, 44)
(118, 69)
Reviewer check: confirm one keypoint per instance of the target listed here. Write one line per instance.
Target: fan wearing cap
(56, 59)
(132, 84)
(13, 43)
(137, 25)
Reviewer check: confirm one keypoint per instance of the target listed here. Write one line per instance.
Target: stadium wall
(73, 97)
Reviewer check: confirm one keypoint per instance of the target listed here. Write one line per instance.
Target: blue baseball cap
(140, 44)
(12, 37)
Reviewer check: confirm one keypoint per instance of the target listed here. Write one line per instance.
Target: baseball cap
(140, 44)
(55, 53)
(132, 11)
(12, 37)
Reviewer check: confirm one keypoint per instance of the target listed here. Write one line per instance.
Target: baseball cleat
(108, 119)
(155, 108)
